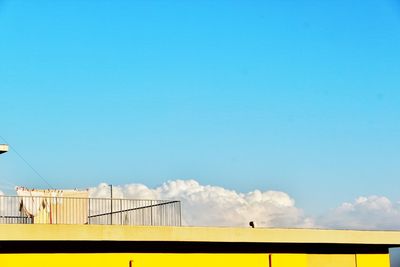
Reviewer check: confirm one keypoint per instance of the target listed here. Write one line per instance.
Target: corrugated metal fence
(68, 210)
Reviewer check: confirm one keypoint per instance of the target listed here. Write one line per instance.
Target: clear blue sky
(299, 96)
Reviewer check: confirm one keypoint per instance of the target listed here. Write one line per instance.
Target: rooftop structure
(43, 228)
(75, 207)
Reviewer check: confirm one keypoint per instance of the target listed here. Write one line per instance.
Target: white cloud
(372, 212)
(207, 205)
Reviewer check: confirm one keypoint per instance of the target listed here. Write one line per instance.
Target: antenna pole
(111, 189)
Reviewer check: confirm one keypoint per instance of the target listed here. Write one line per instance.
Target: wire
(26, 162)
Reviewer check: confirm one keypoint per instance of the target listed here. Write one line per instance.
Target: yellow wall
(138, 260)
(332, 260)
(373, 260)
(59, 233)
(192, 260)
(284, 260)
(329, 260)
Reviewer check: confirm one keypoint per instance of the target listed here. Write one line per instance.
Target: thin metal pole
(151, 213)
(120, 214)
(111, 204)
(88, 218)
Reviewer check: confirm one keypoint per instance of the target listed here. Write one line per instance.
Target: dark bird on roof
(251, 224)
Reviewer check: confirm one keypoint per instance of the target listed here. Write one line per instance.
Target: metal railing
(71, 210)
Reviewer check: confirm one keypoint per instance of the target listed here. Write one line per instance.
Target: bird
(251, 224)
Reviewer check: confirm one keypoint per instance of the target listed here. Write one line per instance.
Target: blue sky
(297, 96)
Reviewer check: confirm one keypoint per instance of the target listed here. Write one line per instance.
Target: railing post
(120, 214)
(88, 219)
(111, 214)
(151, 213)
(180, 213)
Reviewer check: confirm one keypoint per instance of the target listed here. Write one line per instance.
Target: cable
(26, 162)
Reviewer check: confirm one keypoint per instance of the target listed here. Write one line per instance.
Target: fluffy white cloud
(372, 212)
(208, 205)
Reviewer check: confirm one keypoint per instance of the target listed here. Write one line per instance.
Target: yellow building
(45, 245)
(41, 228)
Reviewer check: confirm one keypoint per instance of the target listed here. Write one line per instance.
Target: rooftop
(196, 234)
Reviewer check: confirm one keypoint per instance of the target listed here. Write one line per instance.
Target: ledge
(46, 232)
